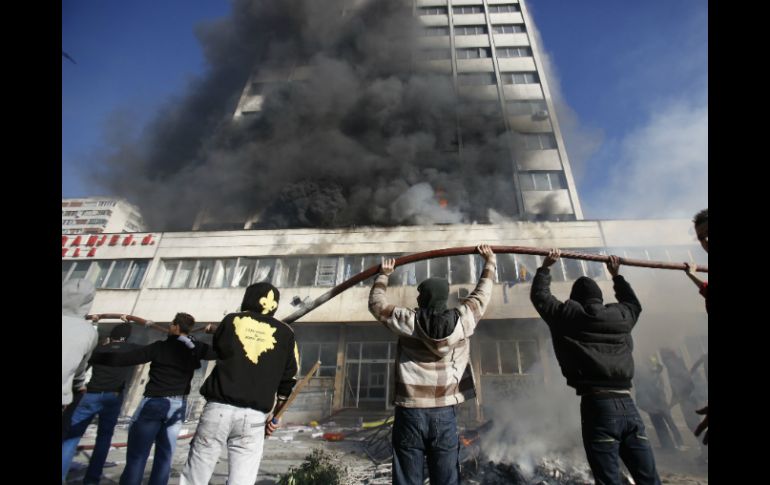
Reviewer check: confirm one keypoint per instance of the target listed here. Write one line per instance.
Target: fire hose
(437, 253)
(442, 253)
(133, 318)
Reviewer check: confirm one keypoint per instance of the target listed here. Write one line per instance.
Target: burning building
(370, 128)
(355, 113)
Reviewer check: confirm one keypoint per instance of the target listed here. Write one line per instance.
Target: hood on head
(261, 298)
(121, 331)
(77, 295)
(584, 290)
(433, 294)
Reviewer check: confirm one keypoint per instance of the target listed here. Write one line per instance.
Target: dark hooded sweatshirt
(258, 356)
(172, 364)
(592, 341)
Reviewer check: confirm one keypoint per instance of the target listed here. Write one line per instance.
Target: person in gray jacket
(78, 339)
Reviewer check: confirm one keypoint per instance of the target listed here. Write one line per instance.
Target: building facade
(95, 215)
(156, 275)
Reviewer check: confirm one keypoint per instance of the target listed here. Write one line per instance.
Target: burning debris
(548, 472)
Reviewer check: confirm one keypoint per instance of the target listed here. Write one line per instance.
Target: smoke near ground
(367, 138)
(541, 421)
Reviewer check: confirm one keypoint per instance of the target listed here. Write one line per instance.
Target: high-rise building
(95, 215)
(490, 49)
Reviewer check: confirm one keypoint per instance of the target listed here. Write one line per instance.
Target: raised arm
(398, 320)
(475, 305)
(547, 305)
(623, 292)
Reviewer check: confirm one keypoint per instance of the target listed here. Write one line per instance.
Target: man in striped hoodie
(433, 372)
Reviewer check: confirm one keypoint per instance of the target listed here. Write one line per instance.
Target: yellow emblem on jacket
(255, 336)
(268, 303)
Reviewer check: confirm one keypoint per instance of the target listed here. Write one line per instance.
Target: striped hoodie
(429, 372)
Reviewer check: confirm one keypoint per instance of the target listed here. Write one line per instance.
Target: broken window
(529, 356)
(439, 268)
(526, 267)
(306, 271)
(509, 357)
(420, 271)
(594, 269)
(489, 362)
(459, 270)
(326, 274)
(506, 268)
(573, 269)
(312, 352)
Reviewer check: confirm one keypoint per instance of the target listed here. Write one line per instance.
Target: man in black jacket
(255, 373)
(159, 416)
(593, 345)
(104, 397)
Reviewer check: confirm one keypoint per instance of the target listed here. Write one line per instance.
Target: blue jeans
(156, 420)
(107, 406)
(426, 432)
(612, 428)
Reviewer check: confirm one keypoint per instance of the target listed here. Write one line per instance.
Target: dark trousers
(663, 422)
(612, 429)
(420, 433)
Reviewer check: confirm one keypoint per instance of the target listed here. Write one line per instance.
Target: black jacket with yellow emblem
(258, 356)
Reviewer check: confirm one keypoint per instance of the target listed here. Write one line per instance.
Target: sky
(630, 78)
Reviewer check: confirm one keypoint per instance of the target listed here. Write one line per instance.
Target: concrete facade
(156, 275)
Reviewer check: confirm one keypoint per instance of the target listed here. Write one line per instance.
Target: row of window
(475, 30)
(509, 357)
(488, 78)
(542, 180)
(76, 222)
(327, 271)
(86, 213)
(106, 273)
(537, 141)
(470, 9)
(89, 203)
(501, 357)
(475, 53)
(85, 230)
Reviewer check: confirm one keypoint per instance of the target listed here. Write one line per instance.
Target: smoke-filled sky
(145, 110)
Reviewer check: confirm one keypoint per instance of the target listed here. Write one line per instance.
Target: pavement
(290, 445)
